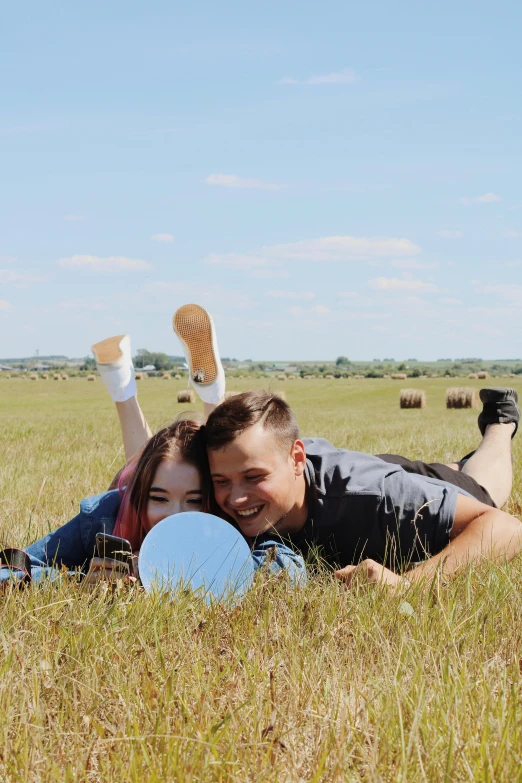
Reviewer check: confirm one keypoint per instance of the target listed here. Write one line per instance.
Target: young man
(368, 516)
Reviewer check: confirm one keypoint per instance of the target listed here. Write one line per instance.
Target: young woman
(167, 472)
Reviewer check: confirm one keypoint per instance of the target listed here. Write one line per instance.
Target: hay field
(315, 684)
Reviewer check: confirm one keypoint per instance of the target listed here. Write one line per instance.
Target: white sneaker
(195, 328)
(114, 362)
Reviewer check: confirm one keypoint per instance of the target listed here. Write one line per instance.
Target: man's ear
(298, 457)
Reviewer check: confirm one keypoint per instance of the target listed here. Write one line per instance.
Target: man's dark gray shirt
(360, 506)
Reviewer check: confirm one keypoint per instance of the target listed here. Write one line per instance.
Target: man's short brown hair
(242, 411)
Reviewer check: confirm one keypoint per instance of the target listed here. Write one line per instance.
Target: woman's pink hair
(182, 438)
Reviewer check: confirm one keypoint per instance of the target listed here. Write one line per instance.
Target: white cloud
(511, 292)
(8, 277)
(394, 284)
(74, 218)
(110, 264)
(341, 248)
(414, 263)
(345, 76)
(487, 198)
(17, 129)
(5, 306)
(233, 181)
(268, 261)
(268, 274)
(348, 295)
(449, 301)
(405, 263)
(162, 237)
(304, 295)
(446, 234)
(315, 309)
(252, 265)
(345, 248)
(511, 233)
(84, 304)
(212, 295)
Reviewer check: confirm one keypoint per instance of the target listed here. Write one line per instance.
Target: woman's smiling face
(176, 487)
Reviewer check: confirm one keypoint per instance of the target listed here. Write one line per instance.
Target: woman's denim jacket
(73, 544)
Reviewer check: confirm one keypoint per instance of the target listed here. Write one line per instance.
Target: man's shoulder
(338, 472)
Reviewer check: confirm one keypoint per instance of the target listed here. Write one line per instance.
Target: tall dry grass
(312, 684)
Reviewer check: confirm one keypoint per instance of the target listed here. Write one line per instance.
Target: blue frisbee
(196, 551)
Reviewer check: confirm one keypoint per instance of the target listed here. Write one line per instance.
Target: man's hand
(368, 571)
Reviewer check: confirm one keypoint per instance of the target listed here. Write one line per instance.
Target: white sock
(214, 393)
(119, 376)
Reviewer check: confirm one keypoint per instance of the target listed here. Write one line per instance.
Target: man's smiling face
(260, 484)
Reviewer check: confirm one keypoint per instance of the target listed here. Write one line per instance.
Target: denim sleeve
(74, 543)
(276, 556)
(64, 546)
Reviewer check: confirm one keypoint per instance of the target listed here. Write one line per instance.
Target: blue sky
(334, 178)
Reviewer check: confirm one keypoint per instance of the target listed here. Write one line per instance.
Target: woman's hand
(368, 571)
(105, 569)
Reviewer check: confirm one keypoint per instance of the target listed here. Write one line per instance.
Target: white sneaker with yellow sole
(195, 329)
(114, 362)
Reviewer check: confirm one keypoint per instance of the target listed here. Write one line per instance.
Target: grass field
(313, 684)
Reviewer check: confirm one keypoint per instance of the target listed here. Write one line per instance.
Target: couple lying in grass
(383, 519)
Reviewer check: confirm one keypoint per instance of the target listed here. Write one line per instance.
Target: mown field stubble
(313, 684)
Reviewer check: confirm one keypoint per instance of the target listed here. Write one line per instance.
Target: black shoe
(499, 407)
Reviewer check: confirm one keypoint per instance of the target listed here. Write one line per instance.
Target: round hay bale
(398, 376)
(65, 377)
(358, 377)
(461, 397)
(44, 376)
(329, 377)
(166, 376)
(57, 377)
(177, 377)
(291, 377)
(281, 377)
(91, 377)
(138, 376)
(6, 376)
(186, 396)
(413, 398)
(33, 377)
(386, 377)
(483, 375)
(473, 376)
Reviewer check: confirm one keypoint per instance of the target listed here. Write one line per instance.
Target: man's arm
(478, 531)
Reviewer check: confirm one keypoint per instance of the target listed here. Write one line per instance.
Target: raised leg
(208, 407)
(134, 428)
(491, 465)
(114, 361)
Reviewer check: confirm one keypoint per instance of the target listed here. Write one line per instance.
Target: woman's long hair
(184, 438)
